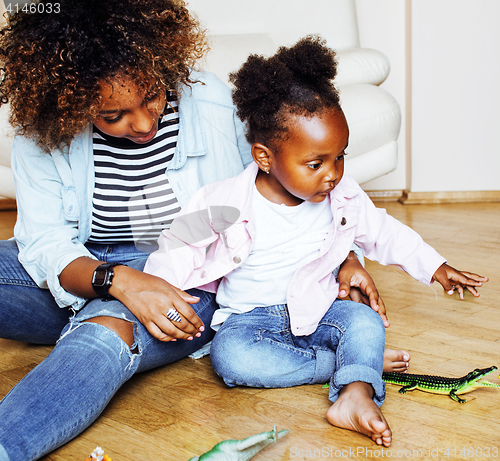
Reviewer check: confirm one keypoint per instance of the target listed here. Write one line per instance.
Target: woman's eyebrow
(104, 112)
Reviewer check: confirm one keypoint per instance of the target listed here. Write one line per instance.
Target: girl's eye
(314, 166)
(113, 119)
(341, 157)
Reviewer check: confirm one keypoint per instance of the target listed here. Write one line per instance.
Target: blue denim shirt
(54, 189)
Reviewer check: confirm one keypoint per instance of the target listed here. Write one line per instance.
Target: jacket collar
(242, 199)
(191, 140)
(346, 189)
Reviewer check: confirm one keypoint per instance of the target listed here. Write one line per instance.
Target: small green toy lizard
(241, 450)
(441, 385)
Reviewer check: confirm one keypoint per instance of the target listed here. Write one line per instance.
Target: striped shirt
(133, 200)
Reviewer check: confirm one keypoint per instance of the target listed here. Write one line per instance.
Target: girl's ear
(262, 156)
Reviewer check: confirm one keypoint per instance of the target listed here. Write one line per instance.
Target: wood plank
(7, 221)
(182, 410)
(419, 198)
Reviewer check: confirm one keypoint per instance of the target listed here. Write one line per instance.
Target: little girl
(268, 241)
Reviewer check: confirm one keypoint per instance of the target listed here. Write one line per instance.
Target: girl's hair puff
(297, 80)
(51, 63)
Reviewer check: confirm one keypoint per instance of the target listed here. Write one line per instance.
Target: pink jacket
(213, 236)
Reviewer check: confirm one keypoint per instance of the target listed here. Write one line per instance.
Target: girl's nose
(143, 121)
(331, 174)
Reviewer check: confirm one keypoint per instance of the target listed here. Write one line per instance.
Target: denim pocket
(276, 326)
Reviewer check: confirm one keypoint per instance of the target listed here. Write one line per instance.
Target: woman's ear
(262, 156)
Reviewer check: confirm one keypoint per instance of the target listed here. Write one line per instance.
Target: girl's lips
(146, 138)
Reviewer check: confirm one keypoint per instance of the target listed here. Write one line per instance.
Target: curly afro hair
(51, 63)
(295, 81)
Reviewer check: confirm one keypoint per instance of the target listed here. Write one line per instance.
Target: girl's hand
(149, 298)
(451, 280)
(355, 282)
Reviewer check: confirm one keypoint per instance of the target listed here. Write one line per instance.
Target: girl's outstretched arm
(355, 282)
(451, 280)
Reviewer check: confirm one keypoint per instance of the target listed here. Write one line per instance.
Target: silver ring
(174, 315)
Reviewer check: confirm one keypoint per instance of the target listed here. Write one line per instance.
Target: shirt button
(343, 222)
(237, 259)
(203, 275)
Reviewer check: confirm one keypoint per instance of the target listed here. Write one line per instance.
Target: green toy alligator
(241, 450)
(441, 385)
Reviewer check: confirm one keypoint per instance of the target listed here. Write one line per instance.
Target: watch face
(99, 277)
(102, 278)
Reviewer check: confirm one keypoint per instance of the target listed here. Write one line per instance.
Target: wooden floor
(183, 410)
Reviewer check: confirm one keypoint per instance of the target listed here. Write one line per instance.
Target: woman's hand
(355, 282)
(150, 298)
(451, 280)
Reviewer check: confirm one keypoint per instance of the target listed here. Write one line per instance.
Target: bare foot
(398, 361)
(355, 410)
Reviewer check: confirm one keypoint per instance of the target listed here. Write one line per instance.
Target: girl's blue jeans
(67, 391)
(257, 349)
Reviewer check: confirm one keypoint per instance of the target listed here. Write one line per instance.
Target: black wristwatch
(103, 279)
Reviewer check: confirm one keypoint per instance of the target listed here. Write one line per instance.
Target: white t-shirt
(286, 238)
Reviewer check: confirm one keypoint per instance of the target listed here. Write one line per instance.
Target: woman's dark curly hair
(296, 80)
(51, 63)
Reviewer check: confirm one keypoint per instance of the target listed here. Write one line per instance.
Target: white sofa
(238, 28)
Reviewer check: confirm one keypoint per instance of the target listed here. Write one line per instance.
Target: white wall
(455, 95)
(450, 113)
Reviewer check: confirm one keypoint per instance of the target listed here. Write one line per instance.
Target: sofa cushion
(361, 65)
(373, 115)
